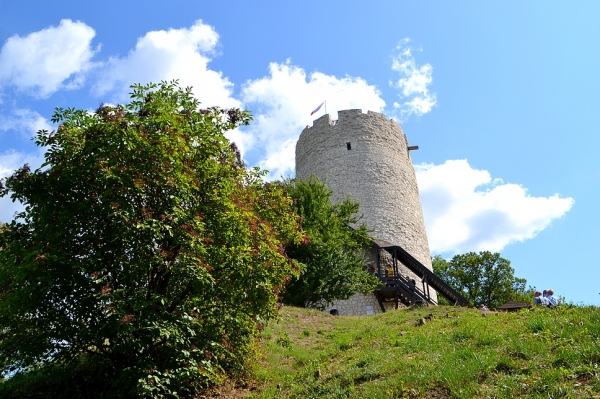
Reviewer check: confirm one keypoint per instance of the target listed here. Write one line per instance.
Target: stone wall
(356, 305)
(365, 157)
(359, 305)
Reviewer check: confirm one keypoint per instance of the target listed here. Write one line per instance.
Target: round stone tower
(366, 157)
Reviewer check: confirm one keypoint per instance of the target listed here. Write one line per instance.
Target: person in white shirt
(538, 299)
(550, 296)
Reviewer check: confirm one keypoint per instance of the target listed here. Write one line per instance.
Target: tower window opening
(348, 146)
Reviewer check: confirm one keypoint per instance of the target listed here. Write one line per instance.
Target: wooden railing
(396, 287)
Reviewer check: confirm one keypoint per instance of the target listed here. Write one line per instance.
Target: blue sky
(502, 99)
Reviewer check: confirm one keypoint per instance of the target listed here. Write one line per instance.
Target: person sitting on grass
(538, 299)
(550, 296)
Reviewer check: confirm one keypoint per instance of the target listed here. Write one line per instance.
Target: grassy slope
(459, 353)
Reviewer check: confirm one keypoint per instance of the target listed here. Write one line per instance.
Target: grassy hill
(456, 353)
(436, 352)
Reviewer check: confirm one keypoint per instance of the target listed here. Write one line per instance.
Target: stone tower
(366, 157)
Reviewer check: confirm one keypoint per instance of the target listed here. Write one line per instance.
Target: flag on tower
(318, 108)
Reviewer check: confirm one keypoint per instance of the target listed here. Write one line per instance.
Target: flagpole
(325, 107)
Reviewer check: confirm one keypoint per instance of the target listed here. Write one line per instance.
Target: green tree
(332, 252)
(3, 227)
(482, 277)
(146, 251)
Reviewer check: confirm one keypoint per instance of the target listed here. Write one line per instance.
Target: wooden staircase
(397, 288)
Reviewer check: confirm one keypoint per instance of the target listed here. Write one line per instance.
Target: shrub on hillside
(147, 256)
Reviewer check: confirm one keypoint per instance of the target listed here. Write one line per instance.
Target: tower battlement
(348, 116)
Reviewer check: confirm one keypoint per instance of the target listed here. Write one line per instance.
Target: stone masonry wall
(365, 157)
(357, 305)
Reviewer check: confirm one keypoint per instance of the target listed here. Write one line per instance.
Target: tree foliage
(482, 277)
(332, 252)
(146, 250)
(3, 226)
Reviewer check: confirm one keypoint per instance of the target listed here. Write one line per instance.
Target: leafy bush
(147, 256)
(332, 252)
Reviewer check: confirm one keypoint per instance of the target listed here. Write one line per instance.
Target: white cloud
(9, 162)
(414, 83)
(242, 139)
(48, 60)
(181, 54)
(282, 103)
(24, 121)
(465, 210)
